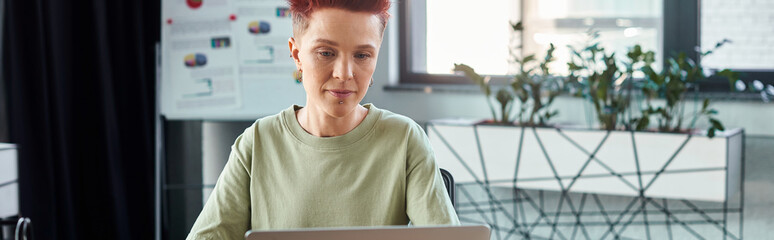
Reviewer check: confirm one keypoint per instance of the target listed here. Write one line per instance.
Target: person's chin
(339, 110)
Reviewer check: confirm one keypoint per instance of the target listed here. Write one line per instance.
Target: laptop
(470, 232)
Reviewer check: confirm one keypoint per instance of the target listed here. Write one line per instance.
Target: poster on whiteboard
(262, 33)
(210, 48)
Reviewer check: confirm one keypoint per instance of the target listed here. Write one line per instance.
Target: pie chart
(194, 3)
(256, 27)
(195, 60)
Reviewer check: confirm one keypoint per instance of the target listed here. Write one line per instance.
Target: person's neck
(318, 123)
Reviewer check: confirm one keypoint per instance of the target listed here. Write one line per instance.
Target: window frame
(681, 21)
(406, 75)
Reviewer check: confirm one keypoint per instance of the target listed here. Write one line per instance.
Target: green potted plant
(537, 89)
(673, 84)
(630, 163)
(534, 86)
(503, 96)
(597, 74)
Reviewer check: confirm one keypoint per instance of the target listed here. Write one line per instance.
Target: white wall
(756, 117)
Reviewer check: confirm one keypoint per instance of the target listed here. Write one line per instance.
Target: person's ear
(294, 52)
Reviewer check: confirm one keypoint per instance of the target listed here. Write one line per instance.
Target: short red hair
(302, 9)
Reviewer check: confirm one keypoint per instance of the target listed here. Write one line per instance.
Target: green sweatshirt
(278, 176)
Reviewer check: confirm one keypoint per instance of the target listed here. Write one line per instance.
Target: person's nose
(343, 69)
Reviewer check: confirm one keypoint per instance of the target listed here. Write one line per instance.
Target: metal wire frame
(614, 220)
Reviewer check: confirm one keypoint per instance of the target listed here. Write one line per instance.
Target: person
(332, 162)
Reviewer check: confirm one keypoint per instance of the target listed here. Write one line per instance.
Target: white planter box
(684, 166)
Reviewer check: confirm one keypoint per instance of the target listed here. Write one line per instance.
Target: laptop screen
(474, 232)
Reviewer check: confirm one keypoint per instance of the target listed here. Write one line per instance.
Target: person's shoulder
(272, 122)
(268, 121)
(392, 122)
(265, 125)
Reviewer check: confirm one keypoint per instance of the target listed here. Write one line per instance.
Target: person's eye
(325, 53)
(362, 55)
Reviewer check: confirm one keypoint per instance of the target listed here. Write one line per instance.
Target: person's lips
(340, 93)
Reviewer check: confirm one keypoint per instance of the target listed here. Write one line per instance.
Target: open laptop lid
(471, 232)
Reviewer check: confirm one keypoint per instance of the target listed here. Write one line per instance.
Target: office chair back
(22, 230)
(448, 181)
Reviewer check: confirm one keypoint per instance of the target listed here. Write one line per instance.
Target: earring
(372, 82)
(298, 75)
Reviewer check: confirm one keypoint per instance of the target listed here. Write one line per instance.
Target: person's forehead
(339, 13)
(336, 44)
(331, 21)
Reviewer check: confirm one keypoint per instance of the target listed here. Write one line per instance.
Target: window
(480, 39)
(748, 25)
(620, 24)
(435, 34)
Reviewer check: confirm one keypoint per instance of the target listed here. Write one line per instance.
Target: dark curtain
(80, 82)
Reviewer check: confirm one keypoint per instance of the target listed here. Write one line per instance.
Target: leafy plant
(636, 58)
(533, 86)
(681, 74)
(503, 96)
(597, 73)
(536, 88)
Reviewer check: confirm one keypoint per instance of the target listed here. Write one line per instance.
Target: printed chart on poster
(226, 59)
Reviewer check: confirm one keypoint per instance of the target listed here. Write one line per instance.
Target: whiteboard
(226, 59)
